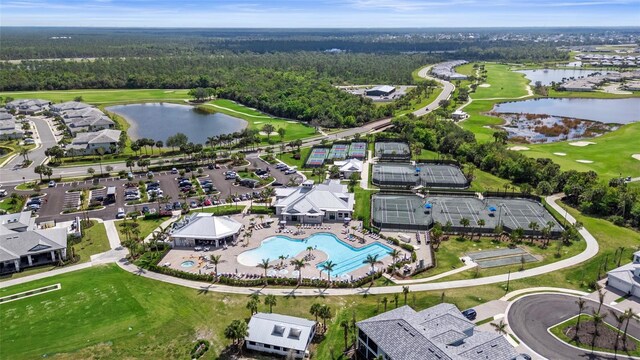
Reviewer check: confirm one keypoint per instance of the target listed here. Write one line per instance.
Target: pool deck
(230, 265)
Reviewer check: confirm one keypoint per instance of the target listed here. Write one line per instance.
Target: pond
(547, 76)
(612, 111)
(158, 121)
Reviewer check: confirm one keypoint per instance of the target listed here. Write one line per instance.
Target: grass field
(611, 155)
(102, 96)
(504, 83)
(484, 181)
(288, 159)
(146, 226)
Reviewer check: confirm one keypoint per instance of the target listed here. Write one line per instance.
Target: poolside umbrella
(428, 206)
(492, 208)
(417, 169)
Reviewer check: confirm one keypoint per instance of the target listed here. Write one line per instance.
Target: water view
(158, 121)
(547, 76)
(613, 111)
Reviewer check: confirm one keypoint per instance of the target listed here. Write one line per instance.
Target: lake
(616, 111)
(556, 75)
(158, 121)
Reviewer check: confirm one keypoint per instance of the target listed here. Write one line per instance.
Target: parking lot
(61, 197)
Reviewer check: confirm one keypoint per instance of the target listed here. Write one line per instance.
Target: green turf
(94, 241)
(288, 159)
(504, 83)
(102, 96)
(611, 155)
(484, 181)
(146, 226)
(558, 331)
(592, 94)
(421, 102)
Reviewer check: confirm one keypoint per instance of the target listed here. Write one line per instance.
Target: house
(626, 278)
(28, 106)
(206, 229)
(22, 245)
(348, 167)
(440, 332)
(383, 90)
(60, 108)
(280, 334)
(309, 203)
(88, 143)
(459, 115)
(9, 128)
(86, 119)
(446, 70)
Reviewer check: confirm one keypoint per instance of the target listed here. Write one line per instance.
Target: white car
(132, 197)
(121, 214)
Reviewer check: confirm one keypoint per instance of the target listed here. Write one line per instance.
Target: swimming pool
(346, 257)
(187, 264)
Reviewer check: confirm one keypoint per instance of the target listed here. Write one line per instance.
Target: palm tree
(345, 326)
(252, 305)
(315, 310)
(464, 222)
(500, 327)
(211, 140)
(309, 249)
(299, 264)
(384, 302)
(395, 254)
(481, 223)
(580, 302)
(372, 260)
(325, 313)
(328, 266)
(215, 260)
(619, 321)
(597, 320)
(628, 314)
(534, 226)
(271, 301)
(405, 291)
(601, 295)
(266, 266)
(236, 331)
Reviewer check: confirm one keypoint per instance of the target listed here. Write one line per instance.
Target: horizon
(322, 14)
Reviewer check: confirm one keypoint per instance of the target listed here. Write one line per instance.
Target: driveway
(530, 316)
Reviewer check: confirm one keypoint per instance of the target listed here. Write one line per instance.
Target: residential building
(382, 90)
(440, 332)
(626, 278)
(86, 119)
(9, 127)
(280, 334)
(459, 115)
(206, 229)
(28, 106)
(446, 70)
(349, 167)
(314, 204)
(60, 108)
(87, 143)
(22, 245)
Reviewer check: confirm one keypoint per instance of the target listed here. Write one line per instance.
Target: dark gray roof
(17, 244)
(440, 332)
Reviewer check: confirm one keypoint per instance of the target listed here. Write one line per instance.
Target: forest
(614, 199)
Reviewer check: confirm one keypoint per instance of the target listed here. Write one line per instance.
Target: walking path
(364, 176)
(469, 264)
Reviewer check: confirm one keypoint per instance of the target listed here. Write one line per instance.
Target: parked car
(275, 183)
(174, 171)
(132, 197)
(52, 183)
(207, 202)
(232, 176)
(177, 205)
(187, 169)
(29, 141)
(289, 172)
(280, 166)
(470, 314)
(129, 175)
(145, 209)
(150, 173)
(34, 207)
(193, 204)
(210, 167)
(261, 172)
(3, 192)
(120, 214)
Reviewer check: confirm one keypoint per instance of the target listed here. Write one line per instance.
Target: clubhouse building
(204, 229)
(314, 204)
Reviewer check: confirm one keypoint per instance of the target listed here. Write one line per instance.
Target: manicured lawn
(93, 96)
(145, 226)
(592, 94)
(222, 210)
(363, 204)
(504, 83)
(10, 206)
(558, 331)
(256, 119)
(288, 159)
(94, 241)
(484, 181)
(611, 155)
(421, 102)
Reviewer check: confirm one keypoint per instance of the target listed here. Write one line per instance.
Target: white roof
(353, 165)
(280, 330)
(331, 195)
(383, 88)
(97, 137)
(208, 227)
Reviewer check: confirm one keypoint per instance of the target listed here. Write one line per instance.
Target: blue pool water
(346, 257)
(187, 264)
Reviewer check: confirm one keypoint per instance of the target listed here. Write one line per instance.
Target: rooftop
(280, 330)
(208, 227)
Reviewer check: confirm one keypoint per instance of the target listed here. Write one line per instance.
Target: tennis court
(317, 156)
(392, 150)
(338, 151)
(410, 211)
(394, 174)
(442, 175)
(431, 175)
(358, 150)
(399, 211)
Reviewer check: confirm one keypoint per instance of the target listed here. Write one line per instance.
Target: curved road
(447, 90)
(530, 316)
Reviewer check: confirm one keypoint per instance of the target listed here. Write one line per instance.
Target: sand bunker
(257, 122)
(265, 134)
(585, 161)
(484, 85)
(582, 143)
(487, 127)
(292, 122)
(560, 154)
(519, 148)
(636, 156)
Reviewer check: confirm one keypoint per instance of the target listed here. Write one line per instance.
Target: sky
(320, 13)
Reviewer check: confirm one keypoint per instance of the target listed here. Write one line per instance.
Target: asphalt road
(36, 155)
(529, 318)
(447, 90)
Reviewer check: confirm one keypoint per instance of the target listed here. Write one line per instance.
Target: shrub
(199, 348)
